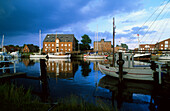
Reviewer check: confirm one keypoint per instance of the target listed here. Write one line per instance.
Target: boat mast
(40, 40)
(113, 41)
(95, 43)
(138, 42)
(97, 39)
(2, 42)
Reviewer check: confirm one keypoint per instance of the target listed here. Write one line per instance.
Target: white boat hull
(59, 56)
(137, 73)
(95, 57)
(38, 56)
(164, 58)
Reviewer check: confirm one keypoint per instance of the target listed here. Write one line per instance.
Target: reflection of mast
(97, 38)
(40, 40)
(2, 42)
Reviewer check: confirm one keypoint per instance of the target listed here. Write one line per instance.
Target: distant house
(60, 43)
(10, 49)
(30, 48)
(146, 47)
(119, 49)
(102, 46)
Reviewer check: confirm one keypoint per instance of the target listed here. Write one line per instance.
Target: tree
(85, 42)
(76, 43)
(124, 46)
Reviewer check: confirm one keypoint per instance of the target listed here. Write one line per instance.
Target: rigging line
(163, 31)
(150, 17)
(165, 23)
(157, 26)
(154, 21)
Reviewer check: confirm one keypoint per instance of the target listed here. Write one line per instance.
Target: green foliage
(76, 103)
(16, 99)
(123, 45)
(85, 42)
(76, 44)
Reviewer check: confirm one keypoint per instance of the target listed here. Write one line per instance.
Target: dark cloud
(21, 18)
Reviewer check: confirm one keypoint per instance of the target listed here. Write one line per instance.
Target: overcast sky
(21, 20)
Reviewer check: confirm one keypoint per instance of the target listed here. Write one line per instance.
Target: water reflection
(61, 68)
(138, 92)
(28, 62)
(82, 77)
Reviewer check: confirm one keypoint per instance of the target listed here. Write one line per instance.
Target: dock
(14, 75)
(6, 75)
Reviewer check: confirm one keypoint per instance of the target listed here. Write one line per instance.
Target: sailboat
(38, 55)
(136, 73)
(141, 56)
(95, 56)
(3, 54)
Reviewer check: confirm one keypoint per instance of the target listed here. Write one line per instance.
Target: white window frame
(69, 45)
(166, 45)
(166, 42)
(52, 49)
(61, 44)
(52, 44)
(45, 44)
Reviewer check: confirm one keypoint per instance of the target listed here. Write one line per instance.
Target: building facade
(146, 47)
(30, 48)
(102, 46)
(163, 45)
(10, 49)
(58, 43)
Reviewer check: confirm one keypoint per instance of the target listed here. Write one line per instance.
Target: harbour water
(82, 78)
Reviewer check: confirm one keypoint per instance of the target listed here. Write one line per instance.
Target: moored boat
(95, 56)
(37, 55)
(15, 54)
(137, 73)
(58, 56)
(164, 57)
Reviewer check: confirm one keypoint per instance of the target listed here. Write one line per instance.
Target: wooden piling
(120, 62)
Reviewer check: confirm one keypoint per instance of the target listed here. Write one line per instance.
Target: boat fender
(120, 62)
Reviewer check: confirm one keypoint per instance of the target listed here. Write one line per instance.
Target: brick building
(60, 43)
(60, 69)
(163, 45)
(146, 47)
(102, 46)
(10, 49)
(30, 48)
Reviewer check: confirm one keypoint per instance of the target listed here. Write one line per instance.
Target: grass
(16, 99)
(76, 103)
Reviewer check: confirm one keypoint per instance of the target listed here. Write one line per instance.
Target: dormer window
(57, 41)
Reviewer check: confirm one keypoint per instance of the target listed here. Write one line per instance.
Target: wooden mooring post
(44, 79)
(120, 62)
(168, 68)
